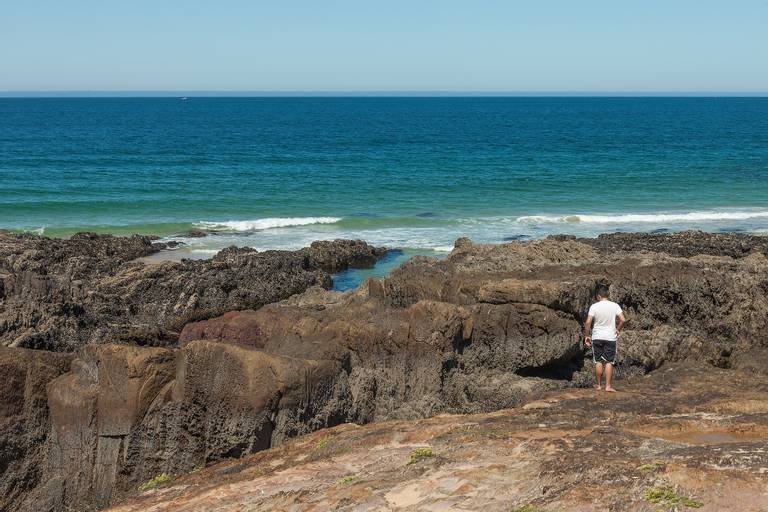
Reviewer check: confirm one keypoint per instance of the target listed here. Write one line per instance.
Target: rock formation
(62, 294)
(485, 329)
(688, 436)
(124, 412)
(24, 418)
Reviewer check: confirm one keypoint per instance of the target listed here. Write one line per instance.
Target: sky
(393, 45)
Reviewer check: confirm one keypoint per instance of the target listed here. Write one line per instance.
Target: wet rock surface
(490, 327)
(691, 243)
(59, 295)
(687, 436)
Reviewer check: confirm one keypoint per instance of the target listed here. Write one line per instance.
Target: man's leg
(608, 376)
(598, 374)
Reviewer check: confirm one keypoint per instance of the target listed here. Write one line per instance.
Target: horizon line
(85, 93)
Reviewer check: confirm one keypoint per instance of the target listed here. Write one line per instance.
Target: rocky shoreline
(119, 371)
(59, 295)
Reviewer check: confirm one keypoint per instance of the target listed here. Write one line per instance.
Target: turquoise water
(413, 173)
(351, 278)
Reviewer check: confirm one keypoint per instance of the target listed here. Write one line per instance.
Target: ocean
(408, 173)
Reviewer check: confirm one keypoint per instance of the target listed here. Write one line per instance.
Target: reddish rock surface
(693, 434)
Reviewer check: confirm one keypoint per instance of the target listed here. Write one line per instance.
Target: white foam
(645, 218)
(442, 248)
(39, 231)
(34, 231)
(262, 224)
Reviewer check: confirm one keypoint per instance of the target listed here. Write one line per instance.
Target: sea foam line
(35, 231)
(648, 218)
(262, 224)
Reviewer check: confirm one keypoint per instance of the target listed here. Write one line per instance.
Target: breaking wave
(645, 218)
(241, 226)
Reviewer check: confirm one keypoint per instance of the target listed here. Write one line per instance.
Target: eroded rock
(697, 431)
(24, 418)
(485, 329)
(61, 294)
(125, 414)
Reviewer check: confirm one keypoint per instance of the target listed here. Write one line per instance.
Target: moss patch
(161, 479)
(420, 454)
(652, 466)
(666, 495)
(322, 443)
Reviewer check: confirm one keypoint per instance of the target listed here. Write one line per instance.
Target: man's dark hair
(602, 290)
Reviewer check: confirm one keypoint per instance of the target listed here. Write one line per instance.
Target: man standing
(601, 332)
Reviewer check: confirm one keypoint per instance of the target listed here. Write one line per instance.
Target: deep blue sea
(412, 173)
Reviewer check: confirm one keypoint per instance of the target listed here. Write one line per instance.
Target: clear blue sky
(358, 45)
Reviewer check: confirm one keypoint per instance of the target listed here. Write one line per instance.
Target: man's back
(604, 313)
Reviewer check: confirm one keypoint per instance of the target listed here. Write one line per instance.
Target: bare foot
(610, 389)
(598, 387)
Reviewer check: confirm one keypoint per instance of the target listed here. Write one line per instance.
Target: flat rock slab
(686, 436)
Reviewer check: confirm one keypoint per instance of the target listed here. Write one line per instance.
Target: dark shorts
(604, 351)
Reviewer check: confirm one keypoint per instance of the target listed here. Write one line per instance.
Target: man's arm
(588, 331)
(620, 324)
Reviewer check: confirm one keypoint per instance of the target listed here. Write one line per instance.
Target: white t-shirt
(604, 313)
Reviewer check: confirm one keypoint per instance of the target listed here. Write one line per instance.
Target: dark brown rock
(24, 418)
(484, 329)
(61, 294)
(197, 233)
(125, 414)
(686, 244)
